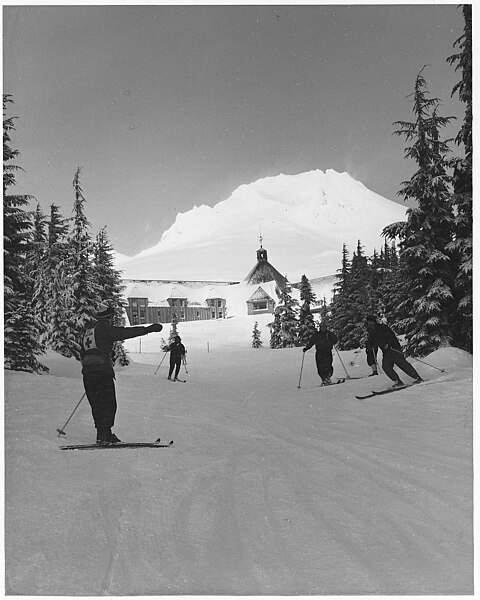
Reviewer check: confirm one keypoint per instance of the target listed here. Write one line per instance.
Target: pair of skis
(156, 444)
(387, 391)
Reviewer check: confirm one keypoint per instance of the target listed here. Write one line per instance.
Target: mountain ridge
(304, 221)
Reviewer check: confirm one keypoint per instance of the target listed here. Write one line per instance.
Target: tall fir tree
(286, 310)
(341, 319)
(21, 345)
(275, 339)
(461, 245)
(426, 268)
(35, 262)
(52, 293)
(108, 280)
(361, 296)
(84, 293)
(306, 323)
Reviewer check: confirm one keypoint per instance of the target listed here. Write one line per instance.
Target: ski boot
(105, 437)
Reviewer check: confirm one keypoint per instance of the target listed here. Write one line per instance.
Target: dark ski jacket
(382, 337)
(324, 341)
(176, 350)
(96, 351)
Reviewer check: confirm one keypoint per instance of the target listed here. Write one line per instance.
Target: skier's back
(98, 375)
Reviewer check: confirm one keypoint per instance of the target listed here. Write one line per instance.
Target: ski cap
(104, 311)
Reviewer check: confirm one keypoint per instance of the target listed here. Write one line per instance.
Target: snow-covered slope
(304, 220)
(269, 489)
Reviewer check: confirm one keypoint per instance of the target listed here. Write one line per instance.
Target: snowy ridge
(304, 219)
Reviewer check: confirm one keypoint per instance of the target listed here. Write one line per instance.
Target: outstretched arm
(125, 333)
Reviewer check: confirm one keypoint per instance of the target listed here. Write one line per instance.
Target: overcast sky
(165, 107)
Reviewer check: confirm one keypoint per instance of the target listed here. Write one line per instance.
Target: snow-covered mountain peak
(305, 219)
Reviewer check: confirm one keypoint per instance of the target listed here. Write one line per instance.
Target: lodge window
(259, 306)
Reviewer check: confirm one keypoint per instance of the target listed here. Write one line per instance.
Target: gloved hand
(155, 328)
(305, 349)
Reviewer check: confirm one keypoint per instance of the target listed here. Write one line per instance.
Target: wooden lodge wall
(139, 312)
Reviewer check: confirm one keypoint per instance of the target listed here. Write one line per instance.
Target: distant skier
(381, 336)
(324, 340)
(98, 375)
(177, 354)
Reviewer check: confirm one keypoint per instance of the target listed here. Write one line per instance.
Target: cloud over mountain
(304, 220)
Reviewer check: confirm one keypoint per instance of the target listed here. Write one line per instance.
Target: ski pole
(422, 361)
(338, 353)
(61, 431)
(301, 369)
(160, 363)
(185, 364)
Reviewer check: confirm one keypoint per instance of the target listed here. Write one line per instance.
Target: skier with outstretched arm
(381, 336)
(323, 340)
(98, 375)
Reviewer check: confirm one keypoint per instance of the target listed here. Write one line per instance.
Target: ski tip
(159, 442)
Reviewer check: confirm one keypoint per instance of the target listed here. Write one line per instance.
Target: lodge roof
(259, 294)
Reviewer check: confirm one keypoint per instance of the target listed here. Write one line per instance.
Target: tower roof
(263, 271)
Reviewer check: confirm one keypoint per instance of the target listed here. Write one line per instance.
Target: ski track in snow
(267, 490)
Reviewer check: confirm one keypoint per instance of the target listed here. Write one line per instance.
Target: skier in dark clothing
(382, 336)
(177, 353)
(98, 375)
(324, 340)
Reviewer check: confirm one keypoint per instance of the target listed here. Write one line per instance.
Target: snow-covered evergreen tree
(84, 293)
(286, 310)
(21, 345)
(306, 323)
(341, 318)
(35, 263)
(108, 280)
(426, 307)
(52, 294)
(256, 338)
(275, 339)
(385, 281)
(462, 245)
